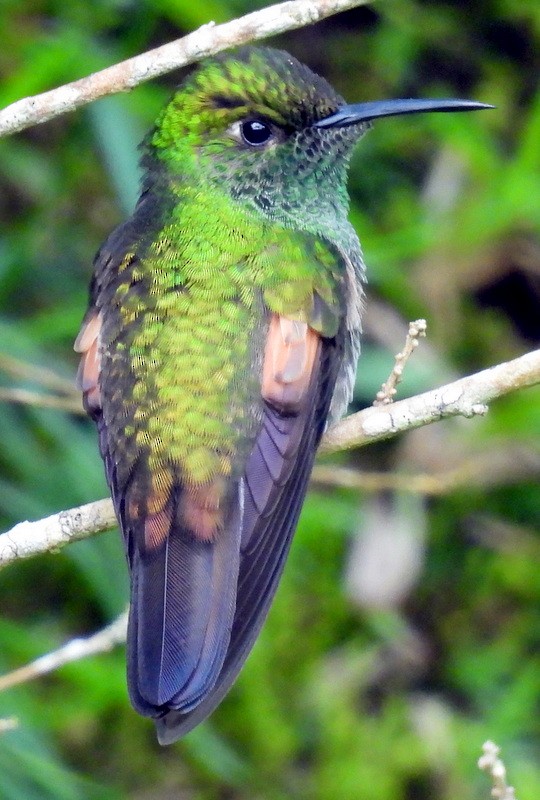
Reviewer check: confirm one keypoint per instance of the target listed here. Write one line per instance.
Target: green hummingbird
(221, 339)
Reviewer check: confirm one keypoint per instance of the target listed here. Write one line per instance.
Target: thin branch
(41, 375)
(27, 539)
(71, 404)
(101, 642)
(490, 762)
(387, 392)
(349, 478)
(206, 41)
(484, 470)
(465, 397)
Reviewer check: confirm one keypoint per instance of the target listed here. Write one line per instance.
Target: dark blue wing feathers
(265, 549)
(197, 606)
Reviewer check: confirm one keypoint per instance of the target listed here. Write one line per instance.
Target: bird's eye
(255, 132)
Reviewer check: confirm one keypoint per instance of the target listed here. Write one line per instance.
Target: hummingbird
(221, 339)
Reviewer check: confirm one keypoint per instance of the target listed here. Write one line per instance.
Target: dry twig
(386, 394)
(30, 538)
(465, 397)
(71, 404)
(101, 642)
(494, 466)
(66, 397)
(206, 41)
(41, 375)
(490, 762)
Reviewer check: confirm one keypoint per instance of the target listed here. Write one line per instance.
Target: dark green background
(340, 698)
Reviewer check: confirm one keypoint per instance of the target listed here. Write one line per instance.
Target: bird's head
(264, 128)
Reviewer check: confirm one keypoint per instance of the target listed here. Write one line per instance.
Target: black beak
(363, 112)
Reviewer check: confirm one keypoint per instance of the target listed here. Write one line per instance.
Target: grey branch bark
(206, 41)
(465, 397)
(28, 539)
(100, 642)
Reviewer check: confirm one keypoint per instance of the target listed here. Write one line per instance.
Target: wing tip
(182, 611)
(169, 730)
(173, 726)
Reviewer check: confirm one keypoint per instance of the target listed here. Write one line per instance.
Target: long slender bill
(363, 112)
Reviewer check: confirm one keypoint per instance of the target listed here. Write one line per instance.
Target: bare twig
(386, 394)
(206, 41)
(494, 466)
(71, 404)
(474, 473)
(493, 765)
(101, 642)
(465, 397)
(30, 538)
(41, 375)
(349, 478)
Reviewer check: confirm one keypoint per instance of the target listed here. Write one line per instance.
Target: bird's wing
(271, 492)
(200, 597)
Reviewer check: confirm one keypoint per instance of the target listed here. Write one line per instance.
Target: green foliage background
(343, 697)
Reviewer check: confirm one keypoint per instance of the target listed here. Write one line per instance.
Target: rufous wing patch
(87, 343)
(289, 356)
(157, 527)
(201, 509)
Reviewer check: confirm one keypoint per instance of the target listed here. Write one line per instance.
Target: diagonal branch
(71, 404)
(101, 642)
(465, 397)
(28, 539)
(388, 390)
(42, 375)
(206, 41)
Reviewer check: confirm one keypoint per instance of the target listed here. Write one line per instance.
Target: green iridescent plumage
(222, 336)
(224, 318)
(219, 260)
(193, 343)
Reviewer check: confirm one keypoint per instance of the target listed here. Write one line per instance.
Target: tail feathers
(182, 610)
(258, 579)
(266, 535)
